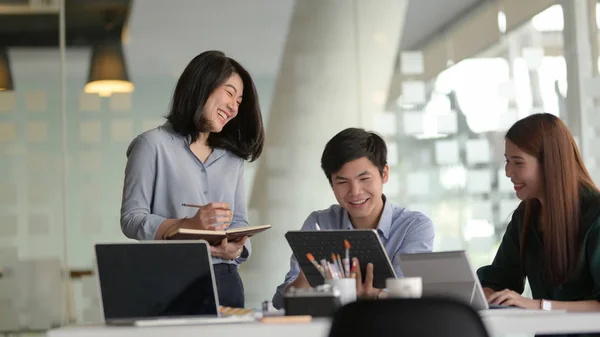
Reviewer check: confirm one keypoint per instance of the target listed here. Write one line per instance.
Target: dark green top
(505, 272)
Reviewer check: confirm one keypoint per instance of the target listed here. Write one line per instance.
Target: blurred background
(441, 80)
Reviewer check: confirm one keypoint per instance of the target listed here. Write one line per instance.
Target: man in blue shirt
(355, 163)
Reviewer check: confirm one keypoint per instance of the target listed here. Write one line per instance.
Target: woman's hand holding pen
(228, 250)
(212, 216)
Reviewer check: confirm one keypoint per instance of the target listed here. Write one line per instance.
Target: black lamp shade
(108, 72)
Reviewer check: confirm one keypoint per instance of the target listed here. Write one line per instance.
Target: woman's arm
(511, 298)
(137, 221)
(592, 251)
(581, 306)
(240, 213)
(506, 271)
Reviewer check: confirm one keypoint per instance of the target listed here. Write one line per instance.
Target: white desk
(499, 323)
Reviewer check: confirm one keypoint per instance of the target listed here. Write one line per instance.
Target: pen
(195, 206)
(341, 266)
(334, 261)
(311, 258)
(191, 205)
(328, 275)
(347, 259)
(333, 268)
(200, 206)
(353, 270)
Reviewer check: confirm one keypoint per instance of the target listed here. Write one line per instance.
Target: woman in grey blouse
(197, 157)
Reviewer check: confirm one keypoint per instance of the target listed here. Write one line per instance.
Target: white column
(581, 54)
(338, 55)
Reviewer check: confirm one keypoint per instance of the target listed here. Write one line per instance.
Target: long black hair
(244, 135)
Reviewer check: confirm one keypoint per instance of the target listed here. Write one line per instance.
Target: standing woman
(197, 157)
(553, 238)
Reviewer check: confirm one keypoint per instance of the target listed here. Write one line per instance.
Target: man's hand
(365, 290)
(300, 282)
(228, 250)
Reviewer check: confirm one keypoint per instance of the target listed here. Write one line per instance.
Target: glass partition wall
(34, 287)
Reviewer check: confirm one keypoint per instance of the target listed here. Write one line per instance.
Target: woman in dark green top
(553, 238)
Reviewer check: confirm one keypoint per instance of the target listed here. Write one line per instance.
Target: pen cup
(347, 288)
(404, 287)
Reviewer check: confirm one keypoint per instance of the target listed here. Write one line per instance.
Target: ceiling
(160, 37)
(27, 25)
(163, 36)
(426, 18)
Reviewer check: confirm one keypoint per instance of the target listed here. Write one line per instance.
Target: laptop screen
(156, 279)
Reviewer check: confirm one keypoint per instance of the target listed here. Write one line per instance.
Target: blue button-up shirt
(162, 173)
(401, 232)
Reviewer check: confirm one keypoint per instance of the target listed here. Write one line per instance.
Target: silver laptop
(155, 283)
(447, 274)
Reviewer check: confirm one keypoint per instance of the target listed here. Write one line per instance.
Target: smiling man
(355, 163)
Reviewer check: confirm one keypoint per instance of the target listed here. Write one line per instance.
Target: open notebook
(214, 237)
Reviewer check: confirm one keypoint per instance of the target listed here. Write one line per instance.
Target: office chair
(429, 317)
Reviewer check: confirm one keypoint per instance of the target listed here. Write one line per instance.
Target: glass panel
(33, 292)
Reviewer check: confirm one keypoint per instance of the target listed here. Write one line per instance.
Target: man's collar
(385, 221)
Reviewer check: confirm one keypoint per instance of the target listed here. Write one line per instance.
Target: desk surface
(498, 322)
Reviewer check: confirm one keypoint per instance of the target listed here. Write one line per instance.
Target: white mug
(404, 287)
(347, 288)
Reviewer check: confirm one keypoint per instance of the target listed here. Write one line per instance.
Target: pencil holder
(347, 288)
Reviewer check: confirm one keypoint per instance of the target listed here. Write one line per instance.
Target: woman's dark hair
(548, 139)
(351, 144)
(243, 135)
